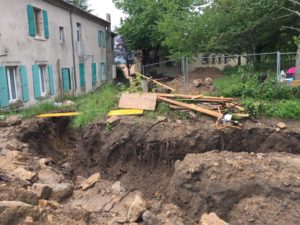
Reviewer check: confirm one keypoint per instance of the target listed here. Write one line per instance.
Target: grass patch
(268, 98)
(39, 108)
(96, 105)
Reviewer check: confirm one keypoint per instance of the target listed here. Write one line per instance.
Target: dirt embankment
(251, 177)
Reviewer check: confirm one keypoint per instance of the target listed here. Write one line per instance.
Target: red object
(291, 70)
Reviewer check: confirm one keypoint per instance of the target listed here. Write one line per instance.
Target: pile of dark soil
(199, 73)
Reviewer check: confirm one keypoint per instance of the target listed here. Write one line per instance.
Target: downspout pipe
(73, 54)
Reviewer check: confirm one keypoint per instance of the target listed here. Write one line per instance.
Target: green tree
(231, 26)
(140, 27)
(83, 4)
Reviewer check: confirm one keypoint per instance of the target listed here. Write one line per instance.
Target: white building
(50, 48)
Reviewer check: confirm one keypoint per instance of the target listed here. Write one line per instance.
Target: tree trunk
(297, 75)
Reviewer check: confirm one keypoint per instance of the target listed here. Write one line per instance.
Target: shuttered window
(46, 26)
(4, 102)
(31, 23)
(38, 23)
(104, 39)
(51, 79)
(82, 74)
(36, 81)
(94, 74)
(24, 81)
(99, 38)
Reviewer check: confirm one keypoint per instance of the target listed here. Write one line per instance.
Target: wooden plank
(146, 101)
(66, 114)
(197, 97)
(126, 112)
(179, 96)
(156, 82)
(295, 83)
(193, 107)
(231, 105)
(204, 100)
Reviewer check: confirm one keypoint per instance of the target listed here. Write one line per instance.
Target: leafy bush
(284, 109)
(249, 86)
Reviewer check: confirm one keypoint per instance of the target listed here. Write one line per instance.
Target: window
(61, 35)
(220, 59)
(78, 30)
(213, 59)
(12, 83)
(38, 21)
(42, 77)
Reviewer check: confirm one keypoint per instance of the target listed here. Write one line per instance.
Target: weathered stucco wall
(17, 47)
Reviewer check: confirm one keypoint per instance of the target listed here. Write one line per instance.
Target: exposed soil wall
(141, 154)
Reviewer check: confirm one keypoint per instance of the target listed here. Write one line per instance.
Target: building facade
(50, 48)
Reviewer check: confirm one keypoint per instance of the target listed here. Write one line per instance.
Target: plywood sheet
(146, 101)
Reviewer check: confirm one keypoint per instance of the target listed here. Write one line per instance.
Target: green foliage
(97, 105)
(83, 4)
(284, 109)
(39, 108)
(136, 85)
(244, 85)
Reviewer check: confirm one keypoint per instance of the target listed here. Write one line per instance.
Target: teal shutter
(99, 38)
(94, 74)
(82, 74)
(46, 24)
(25, 91)
(51, 79)
(36, 81)
(3, 88)
(31, 25)
(104, 39)
(66, 79)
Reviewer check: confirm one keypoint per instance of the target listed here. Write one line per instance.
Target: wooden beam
(156, 82)
(179, 96)
(193, 107)
(126, 112)
(196, 97)
(66, 114)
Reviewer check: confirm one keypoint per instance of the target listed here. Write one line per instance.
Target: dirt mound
(199, 73)
(241, 188)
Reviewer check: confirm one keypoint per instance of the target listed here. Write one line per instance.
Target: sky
(101, 7)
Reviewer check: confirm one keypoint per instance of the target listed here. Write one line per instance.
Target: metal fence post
(278, 65)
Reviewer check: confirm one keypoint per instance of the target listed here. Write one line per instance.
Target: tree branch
(295, 2)
(291, 28)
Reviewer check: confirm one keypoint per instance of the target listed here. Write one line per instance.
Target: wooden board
(125, 112)
(295, 83)
(146, 101)
(193, 107)
(49, 115)
(156, 82)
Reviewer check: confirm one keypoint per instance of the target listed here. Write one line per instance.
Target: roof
(77, 10)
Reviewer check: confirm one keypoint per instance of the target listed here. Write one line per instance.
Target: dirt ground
(167, 173)
(199, 73)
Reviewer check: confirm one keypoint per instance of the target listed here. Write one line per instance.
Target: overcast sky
(101, 7)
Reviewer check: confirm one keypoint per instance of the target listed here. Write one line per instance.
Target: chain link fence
(269, 64)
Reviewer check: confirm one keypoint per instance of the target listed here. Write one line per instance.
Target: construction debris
(145, 101)
(156, 82)
(66, 114)
(126, 112)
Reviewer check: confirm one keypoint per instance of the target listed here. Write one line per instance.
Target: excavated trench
(220, 170)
